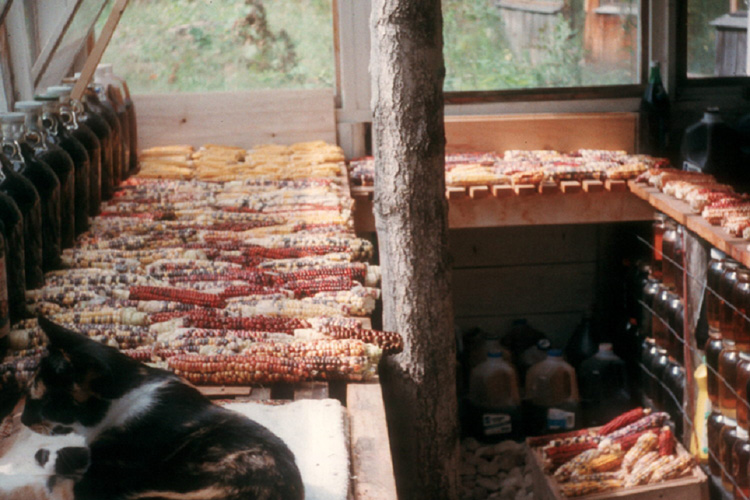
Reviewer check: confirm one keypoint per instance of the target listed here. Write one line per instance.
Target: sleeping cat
(150, 435)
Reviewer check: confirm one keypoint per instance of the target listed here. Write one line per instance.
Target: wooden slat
(614, 131)
(242, 119)
(311, 390)
(101, 45)
(615, 185)
(549, 188)
(225, 391)
(476, 192)
(592, 186)
(55, 37)
(502, 190)
(455, 193)
(370, 451)
(524, 189)
(570, 187)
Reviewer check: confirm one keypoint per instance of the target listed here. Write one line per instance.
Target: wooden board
(371, 458)
(563, 132)
(240, 119)
(692, 487)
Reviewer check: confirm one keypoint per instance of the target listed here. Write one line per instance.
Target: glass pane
(520, 44)
(187, 45)
(717, 38)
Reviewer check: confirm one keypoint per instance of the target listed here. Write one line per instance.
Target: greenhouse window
(195, 46)
(492, 45)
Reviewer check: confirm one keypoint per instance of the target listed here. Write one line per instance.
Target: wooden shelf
(504, 205)
(737, 248)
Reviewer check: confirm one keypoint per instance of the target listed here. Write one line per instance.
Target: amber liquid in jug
(727, 379)
(740, 387)
(726, 288)
(727, 438)
(713, 277)
(740, 457)
(713, 348)
(713, 430)
(741, 302)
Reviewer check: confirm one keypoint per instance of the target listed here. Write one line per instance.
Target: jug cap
(555, 353)
(712, 115)
(495, 354)
(24, 105)
(12, 117)
(543, 344)
(605, 347)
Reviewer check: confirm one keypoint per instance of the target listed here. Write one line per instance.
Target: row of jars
(60, 158)
(663, 381)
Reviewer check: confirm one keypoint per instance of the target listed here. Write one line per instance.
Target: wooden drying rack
(737, 248)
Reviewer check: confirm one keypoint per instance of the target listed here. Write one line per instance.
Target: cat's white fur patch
(130, 406)
(19, 468)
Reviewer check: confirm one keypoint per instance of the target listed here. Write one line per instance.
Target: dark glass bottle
(713, 349)
(669, 242)
(26, 197)
(47, 149)
(57, 132)
(15, 259)
(44, 180)
(727, 439)
(741, 302)
(658, 369)
(654, 115)
(70, 118)
(713, 430)
(118, 91)
(4, 304)
(117, 120)
(676, 336)
(89, 115)
(650, 290)
(581, 344)
(674, 394)
(660, 321)
(726, 287)
(713, 277)
(649, 351)
(740, 387)
(740, 457)
(728, 359)
(657, 258)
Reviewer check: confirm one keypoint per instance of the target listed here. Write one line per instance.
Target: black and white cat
(151, 435)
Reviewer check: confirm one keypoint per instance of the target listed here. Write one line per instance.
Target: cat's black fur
(175, 444)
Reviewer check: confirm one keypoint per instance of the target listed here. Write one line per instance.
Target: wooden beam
(101, 45)
(4, 10)
(48, 51)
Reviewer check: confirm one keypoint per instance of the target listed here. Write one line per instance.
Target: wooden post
(411, 219)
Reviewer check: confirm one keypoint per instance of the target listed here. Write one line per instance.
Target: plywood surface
(563, 132)
(371, 458)
(240, 119)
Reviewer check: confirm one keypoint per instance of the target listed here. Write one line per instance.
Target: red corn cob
(180, 295)
(666, 442)
(648, 422)
(626, 418)
(628, 441)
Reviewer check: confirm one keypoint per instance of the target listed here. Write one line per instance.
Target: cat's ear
(60, 337)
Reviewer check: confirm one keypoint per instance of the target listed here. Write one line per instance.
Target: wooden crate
(692, 487)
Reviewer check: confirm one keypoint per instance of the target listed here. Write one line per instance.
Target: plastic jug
(603, 387)
(552, 395)
(712, 146)
(699, 438)
(493, 398)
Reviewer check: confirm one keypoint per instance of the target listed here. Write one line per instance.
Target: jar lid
(59, 90)
(24, 105)
(45, 97)
(729, 421)
(12, 117)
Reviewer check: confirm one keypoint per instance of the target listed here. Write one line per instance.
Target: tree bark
(411, 218)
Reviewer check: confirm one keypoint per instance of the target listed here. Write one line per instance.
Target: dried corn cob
(671, 468)
(576, 489)
(566, 470)
(605, 463)
(124, 316)
(535, 441)
(626, 418)
(643, 468)
(666, 442)
(654, 420)
(389, 342)
(646, 442)
(181, 295)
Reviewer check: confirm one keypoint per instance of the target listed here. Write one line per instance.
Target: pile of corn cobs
(245, 279)
(633, 449)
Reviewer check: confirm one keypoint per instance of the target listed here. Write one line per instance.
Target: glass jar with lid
(713, 276)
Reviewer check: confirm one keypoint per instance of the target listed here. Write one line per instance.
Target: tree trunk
(411, 217)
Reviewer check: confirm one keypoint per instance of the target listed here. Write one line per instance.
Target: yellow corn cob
(647, 442)
(675, 467)
(578, 464)
(587, 487)
(605, 463)
(644, 468)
